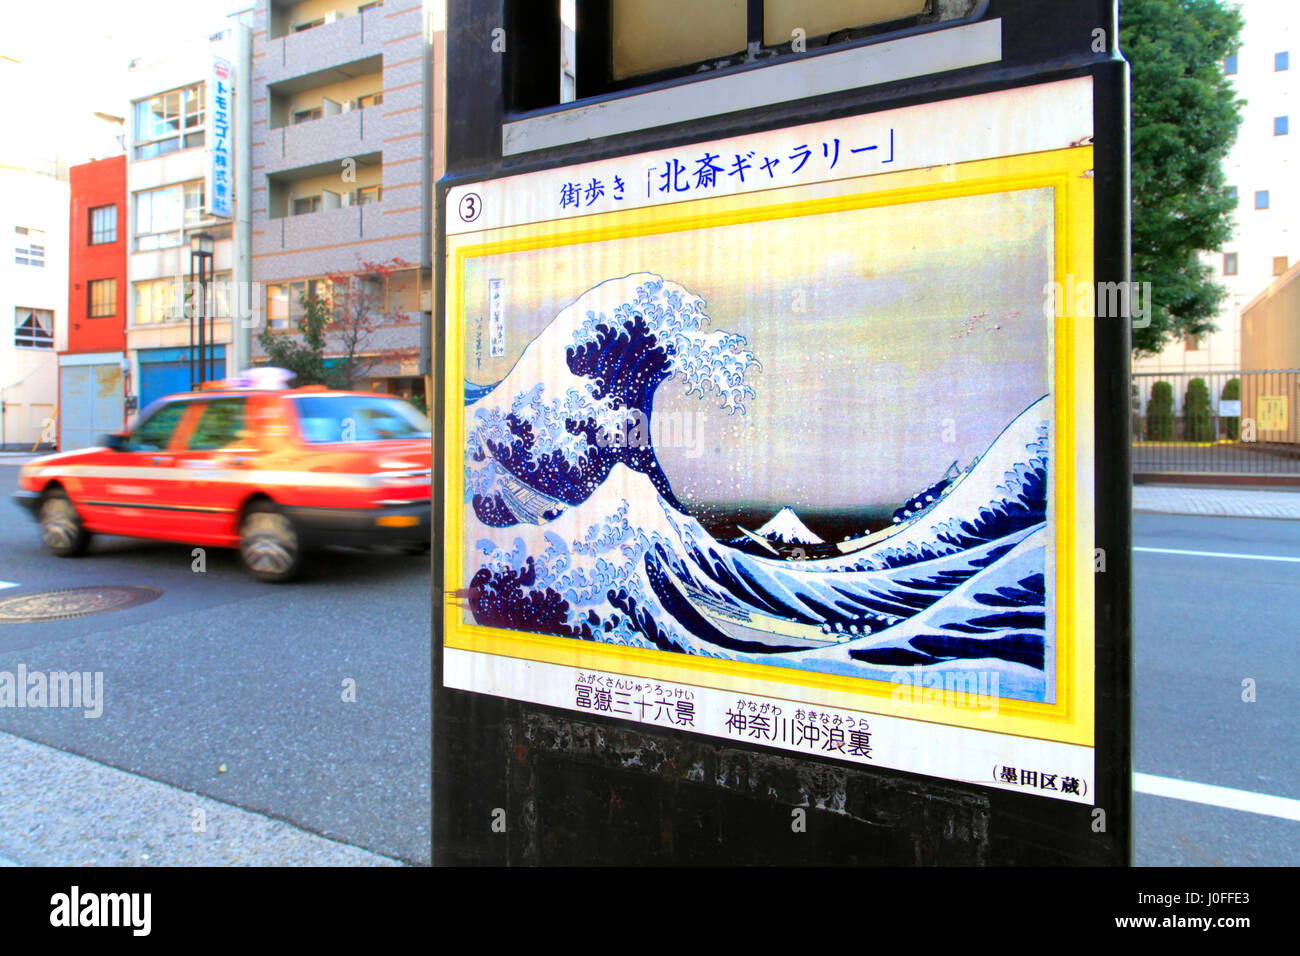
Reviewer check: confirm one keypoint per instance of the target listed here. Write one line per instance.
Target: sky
(72, 61)
(893, 340)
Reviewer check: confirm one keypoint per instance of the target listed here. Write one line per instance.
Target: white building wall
(1259, 161)
(29, 378)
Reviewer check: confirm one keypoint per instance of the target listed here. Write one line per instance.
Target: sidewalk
(1221, 502)
(60, 809)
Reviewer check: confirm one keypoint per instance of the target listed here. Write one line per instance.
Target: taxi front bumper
(398, 523)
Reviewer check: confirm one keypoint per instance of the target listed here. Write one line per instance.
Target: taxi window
(155, 432)
(222, 423)
(349, 418)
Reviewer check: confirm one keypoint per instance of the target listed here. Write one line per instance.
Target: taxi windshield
(348, 418)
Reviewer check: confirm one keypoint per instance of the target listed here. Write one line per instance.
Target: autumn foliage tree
(335, 344)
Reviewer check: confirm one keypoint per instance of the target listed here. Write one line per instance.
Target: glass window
(33, 328)
(1279, 265)
(1281, 125)
(303, 116)
(344, 418)
(161, 214)
(102, 298)
(169, 122)
(1261, 199)
(306, 204)
(29, 246)
(1281, 61)
(154, 433)
(1229, 263)
(103, 225)
(374, 99)
(368, 194)
(221, 424)
(1232, 193)
(1230, 65)
(157, 301)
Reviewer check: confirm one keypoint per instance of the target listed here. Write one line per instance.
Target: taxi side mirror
(115, 442)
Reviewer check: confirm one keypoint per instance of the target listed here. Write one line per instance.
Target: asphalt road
(222, 671)
(1202, 626)
(235, 689)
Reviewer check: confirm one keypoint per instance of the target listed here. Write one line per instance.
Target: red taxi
(248, 464)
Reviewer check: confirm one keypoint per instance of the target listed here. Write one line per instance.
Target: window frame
(97, 232)
(1262, 199)
(1230, 258)
(1282, 61)
(32, 340)
(1230, 64)
(192, 196)
(108, 300)
(1282, 125)
(32, 254)
(189, 119)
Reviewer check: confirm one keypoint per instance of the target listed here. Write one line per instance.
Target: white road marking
(1264, 803)
(1220, 554)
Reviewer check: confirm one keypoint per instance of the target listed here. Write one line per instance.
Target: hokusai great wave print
(646, 474)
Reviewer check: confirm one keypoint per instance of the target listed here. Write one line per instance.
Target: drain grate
(73, 602)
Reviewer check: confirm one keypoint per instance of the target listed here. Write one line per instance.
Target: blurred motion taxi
(247, 463)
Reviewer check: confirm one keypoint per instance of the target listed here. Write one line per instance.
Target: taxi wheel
(61, 527)
(268, 544)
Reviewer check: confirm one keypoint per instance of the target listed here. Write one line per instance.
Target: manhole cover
(73, 602)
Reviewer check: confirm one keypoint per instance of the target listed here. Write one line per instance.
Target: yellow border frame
(1068, 173)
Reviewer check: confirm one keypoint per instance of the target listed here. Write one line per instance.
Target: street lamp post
(200, 253)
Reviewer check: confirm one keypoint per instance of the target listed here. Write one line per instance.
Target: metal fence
(1240, 423)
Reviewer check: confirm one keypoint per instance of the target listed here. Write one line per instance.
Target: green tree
(1231, 392)
(1198, 421)
(1184, 121)
(305, 357)
(1160, 412)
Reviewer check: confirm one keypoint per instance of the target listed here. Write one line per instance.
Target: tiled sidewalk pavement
(1224, 502)
(60, 809)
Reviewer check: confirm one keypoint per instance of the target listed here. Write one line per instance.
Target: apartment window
(302, 205)
(29, 246)
(33, 328)
(1261, 199)
(101, 296)
(103, 225)
(306, 116)
(299, 27)
(169, 122)
(157, 301)
(369, 6)
(1230, 65)
(1192, 343)
(367, 194)
(374, 99)
(1281, 61)
(161, 214)
(284, 308)
(1280, 265)
(1281, 125)
(1229, 263)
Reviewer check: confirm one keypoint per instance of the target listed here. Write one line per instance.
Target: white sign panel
(219, 168)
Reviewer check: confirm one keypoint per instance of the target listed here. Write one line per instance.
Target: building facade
(93, 379)
(345, 118)
(1260, 170)
(34, 299)
(182, 153)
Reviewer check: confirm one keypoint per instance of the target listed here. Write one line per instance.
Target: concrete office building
(1261, 171)
(183, 149)
(346, 138)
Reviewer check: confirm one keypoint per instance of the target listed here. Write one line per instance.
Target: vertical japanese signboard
(790, 442)
(219, 168)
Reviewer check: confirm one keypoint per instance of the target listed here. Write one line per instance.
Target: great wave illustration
(569, 533)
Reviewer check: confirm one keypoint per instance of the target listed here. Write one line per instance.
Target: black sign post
(869, 251)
